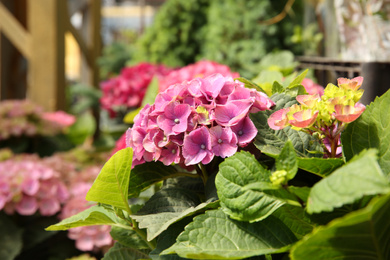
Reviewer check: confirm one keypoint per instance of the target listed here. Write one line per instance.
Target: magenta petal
(27, 206)
(223, 141)
(232, 112)
(197, 147)
(245, 130)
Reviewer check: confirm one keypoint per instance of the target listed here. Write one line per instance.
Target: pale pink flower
(278, 120)
(348, 113)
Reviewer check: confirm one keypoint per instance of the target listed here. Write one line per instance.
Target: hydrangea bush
(23, 117)
(236, 174)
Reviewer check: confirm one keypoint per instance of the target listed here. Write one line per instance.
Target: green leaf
(277, 88)
(111, 185)
(167, 239)
(170, 200)
(295, 90)
(295, 219)
(214, 235)
(129, 117)
(363, 234)
(128, 238)
(320, 166)
(168, 206)
(287, 160)
(151, 92)
(250, 84)
(298, 80)
(146, 174)
(242, 190)
(11, 241)
(271, 141)
(95, 215)
(121, 252)
(84, 127)
(370, 130)
(359, 177)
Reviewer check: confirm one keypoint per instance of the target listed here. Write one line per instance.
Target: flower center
(165, 138)
(220, 141)
(240, 133)
(173, 151)
(202, 146)
(177, 120)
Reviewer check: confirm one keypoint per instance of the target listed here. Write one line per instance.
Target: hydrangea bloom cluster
(22, 117)
(324, 116)
(128, 88)
(200, 69)
(196, 120)
(87, 237)
(28, 186)
(52, 185)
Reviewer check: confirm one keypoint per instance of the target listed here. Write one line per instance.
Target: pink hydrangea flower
(28, 185)
(200, 69)
(192, 122)
(127, 90)
(312, 88)
(23, 117)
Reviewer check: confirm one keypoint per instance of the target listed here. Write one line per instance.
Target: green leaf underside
(95, 215)
(361, 176)
(167, 239)
(320, 166)
(371, 130)
(128, 238)
(271, 141)
(147, 174)
(121, 252)
(214, 235)
(295, 219)
(360, 235)
(111, 185)
(238, 196)
(157, 223)
(287, 160)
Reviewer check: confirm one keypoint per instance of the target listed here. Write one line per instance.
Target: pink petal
(278, 120)
(49, 206)
(27, 206)
(84, 243)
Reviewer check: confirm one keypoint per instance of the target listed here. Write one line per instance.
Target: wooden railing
(43, 46)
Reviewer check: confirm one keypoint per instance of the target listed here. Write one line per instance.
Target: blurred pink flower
(60, 117)
(312, 88)
(127, 90)
(200, 69)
